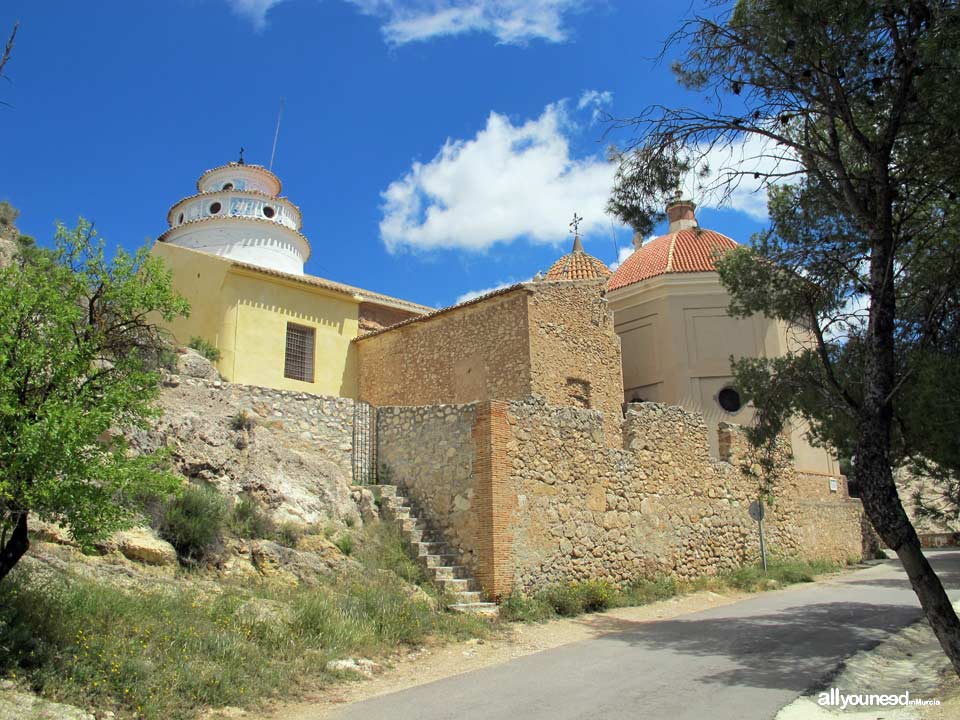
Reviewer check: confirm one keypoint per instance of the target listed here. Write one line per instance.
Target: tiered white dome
(238, 213)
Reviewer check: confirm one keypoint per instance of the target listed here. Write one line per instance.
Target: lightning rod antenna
(276, 135)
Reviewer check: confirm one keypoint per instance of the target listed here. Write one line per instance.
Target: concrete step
(411, 524)
(431, 547)
(488, 609)
(458, 585)
(414, 536)
(450, 572)
(388, 491)
(438, 561)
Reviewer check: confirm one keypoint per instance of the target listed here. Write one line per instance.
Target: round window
(729, 400)
(215, 208)
(227, 186)
(180, 219)
(268, 211)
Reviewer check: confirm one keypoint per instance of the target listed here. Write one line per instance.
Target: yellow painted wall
(677, 339)
(245, 314)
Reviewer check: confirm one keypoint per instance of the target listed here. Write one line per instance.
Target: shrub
(208, 350)
(597, 595)
(751, 578)
(644, 591)
(193, 523)
(564, 599)
(289, 534)
(517, 607)
(345, 543)
(248, 520)
(383, 547)
(350, 521)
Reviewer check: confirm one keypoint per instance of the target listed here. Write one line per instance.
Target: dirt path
(437, 662)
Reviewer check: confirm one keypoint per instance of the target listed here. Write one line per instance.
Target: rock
(8, 251)
(141, 545)
(26, 706)
(278, 563)
(193, 364)
(367, 504)
(361, 666)
(49, 532)
(305, 481)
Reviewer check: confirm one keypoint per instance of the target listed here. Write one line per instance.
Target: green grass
(208, 350)
(170, 649)
(573, 599)
(752, 578)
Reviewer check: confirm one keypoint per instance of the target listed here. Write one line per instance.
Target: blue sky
(436, 147)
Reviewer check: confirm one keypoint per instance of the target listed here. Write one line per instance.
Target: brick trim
(495, 504)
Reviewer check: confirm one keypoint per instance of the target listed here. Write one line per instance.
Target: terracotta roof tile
(686, 251)
(577, 265)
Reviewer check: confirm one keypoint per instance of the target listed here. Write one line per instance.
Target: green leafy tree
(849, 106)
(79, 348)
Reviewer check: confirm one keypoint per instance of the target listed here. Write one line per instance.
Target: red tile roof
(687, 251)
(577, 265)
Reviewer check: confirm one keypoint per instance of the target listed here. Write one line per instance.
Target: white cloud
(253, 10)
(474, 294)
(622, 255)
(508, 181)
(753, 155)
(509, 21)
(597, 100)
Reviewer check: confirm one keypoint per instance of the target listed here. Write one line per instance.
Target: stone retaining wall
(428, 451)
(533, 493)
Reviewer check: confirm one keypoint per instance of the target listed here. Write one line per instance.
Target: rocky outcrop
(18, 705)
(192, 364)
(8, 251)
(141, 545)
(289, 451)
(275, 562)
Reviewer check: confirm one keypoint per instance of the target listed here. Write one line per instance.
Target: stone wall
(429, 452)
(473, 352)
(574, 351)
(534, 494)
(661, 506)
(551, 339)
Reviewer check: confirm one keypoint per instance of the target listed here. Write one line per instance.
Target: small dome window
(729, 400)
(268, 212)
(215, 208)
(180, 219)
(227, 186)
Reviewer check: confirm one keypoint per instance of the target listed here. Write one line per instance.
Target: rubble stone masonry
(535, 494)
(475, 352)
(551, 339)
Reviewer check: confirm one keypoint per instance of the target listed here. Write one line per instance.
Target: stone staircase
(440, 561)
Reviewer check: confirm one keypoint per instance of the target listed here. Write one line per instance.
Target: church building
(677, 338)
(237, 255)
(657, 329)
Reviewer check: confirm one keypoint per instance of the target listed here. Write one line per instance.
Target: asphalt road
(738, 662)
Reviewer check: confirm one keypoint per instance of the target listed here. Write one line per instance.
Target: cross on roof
(575, 225)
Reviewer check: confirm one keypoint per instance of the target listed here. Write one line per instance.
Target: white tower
(238, 213)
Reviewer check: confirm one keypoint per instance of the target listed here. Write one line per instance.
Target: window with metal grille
(298, 358)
